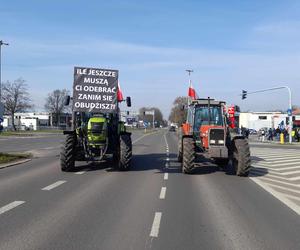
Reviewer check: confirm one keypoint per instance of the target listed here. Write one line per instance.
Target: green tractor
(96, 135)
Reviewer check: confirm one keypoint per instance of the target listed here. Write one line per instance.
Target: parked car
(252, 131)
(172, 129)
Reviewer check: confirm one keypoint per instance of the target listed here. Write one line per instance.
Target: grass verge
(10, 157)
(30, 133)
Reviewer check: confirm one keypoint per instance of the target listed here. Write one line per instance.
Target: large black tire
(179, 156)
(241, 161)
(125, 152)
(188, 155)
(68, 154)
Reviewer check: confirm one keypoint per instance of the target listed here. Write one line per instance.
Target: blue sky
(230, 45)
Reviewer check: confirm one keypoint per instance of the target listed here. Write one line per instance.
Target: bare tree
(15, 98)
(179, 112)
(55, 103)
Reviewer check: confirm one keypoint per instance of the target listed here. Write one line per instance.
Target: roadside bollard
(281, 138)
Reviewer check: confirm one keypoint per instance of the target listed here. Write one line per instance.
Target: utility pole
(189, 72)
(245, 93)
(1, 43)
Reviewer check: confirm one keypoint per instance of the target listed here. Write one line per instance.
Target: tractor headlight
(221, 141)
(212, 141)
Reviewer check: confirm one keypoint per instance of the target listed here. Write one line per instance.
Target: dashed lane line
(166, 176)
(54, 185)
(163, 191)
(156, 224)
(10, 206)
(80, 172)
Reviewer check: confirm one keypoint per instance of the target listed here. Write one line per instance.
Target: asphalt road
(153, 206)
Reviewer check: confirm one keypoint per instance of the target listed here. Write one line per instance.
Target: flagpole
(190, 81)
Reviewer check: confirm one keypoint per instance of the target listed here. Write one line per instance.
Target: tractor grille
(216, 136)
(96, 127)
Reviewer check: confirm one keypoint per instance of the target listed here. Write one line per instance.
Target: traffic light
(244, 94)
(127, 112)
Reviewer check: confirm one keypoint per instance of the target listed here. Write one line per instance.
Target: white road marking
(166, 176)
(280, 173)
(272, 177)
(10, 206)
(284, 188)
(283, 163)
(278, 195)
(284, 158)
(156, 224)
(163, 193)
(54, 185)
(80, 172)
(288, 168)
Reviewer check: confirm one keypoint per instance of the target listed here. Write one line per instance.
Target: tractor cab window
(190, 115)
(202, 113)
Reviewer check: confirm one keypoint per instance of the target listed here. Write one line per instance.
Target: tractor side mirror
(67, 100)
(128, 101)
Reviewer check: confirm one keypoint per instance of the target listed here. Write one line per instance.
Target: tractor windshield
(202, 116)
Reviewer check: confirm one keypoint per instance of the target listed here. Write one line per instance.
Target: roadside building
(258, 120)
(37, 120)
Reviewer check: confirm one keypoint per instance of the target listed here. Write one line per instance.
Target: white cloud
(156, 75)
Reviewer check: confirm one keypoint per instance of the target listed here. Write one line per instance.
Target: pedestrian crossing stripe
(278, 170)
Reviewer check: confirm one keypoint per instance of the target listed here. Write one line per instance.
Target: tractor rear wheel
(188, 155)
(68, 153)
(125, 152)
(241, 161)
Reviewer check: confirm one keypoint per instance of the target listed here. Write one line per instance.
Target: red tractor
(209, 132)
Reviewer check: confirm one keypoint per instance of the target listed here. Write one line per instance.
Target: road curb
(10, 164)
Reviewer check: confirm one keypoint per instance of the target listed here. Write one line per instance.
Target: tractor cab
(206, 122)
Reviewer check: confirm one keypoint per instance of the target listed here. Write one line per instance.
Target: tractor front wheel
(125, 152)
(241, 157)
(68, 153)
(179, 156)
(188, 155)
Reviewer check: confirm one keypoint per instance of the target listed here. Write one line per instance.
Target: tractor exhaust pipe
(208, 99)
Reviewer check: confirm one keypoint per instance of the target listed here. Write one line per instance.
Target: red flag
(119, 94)
(192, 92)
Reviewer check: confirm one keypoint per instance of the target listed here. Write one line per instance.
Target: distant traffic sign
(149, 112)
(289, 111)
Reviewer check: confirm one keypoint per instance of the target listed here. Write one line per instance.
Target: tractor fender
(125, 133)
(238, 137)
(69, 132)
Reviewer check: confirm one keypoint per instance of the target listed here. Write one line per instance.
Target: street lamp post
(1, 43)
